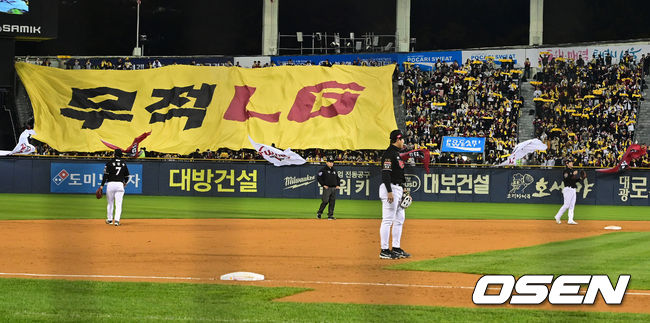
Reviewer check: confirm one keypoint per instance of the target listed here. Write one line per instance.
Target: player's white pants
(391, 214)
(569, 194)
(114, 194)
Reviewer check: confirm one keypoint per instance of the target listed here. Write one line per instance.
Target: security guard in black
(329, 179)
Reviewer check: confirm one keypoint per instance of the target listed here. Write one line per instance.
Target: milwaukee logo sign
(535, 289)
(292, 182)
(21, 29)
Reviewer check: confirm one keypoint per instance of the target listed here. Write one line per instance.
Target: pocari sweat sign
(463, 144)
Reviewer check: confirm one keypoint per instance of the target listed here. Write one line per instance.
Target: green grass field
(64, 206)
(76, 301)
(612, 254)
(59, 300)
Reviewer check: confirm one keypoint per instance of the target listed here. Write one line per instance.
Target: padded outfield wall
(206, 178)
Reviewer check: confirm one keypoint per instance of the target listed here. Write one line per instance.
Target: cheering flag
(419, 155)
(133, 150)
(23, 147)
(522, 149)
(276, 156)
(633, 152)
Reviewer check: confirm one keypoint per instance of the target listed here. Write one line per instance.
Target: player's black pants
(329, 197)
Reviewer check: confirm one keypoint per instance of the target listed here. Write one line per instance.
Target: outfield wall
(204, 178)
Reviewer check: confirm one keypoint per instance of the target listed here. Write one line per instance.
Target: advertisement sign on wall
(361, 182)
(616, 51)
(345, 59)
(426, 60)
(86, 177)
(518, 56)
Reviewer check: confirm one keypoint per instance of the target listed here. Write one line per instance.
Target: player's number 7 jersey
(116, 171)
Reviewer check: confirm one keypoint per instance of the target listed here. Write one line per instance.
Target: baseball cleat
(331, 218)
(400, 253)
(387, 254)
(558, 221)
(109, 221)
(117, 223)
(318, 215)
(572, 222)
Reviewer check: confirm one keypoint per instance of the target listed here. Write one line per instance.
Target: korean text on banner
(86, 177)
(463, 144)
(206, 107)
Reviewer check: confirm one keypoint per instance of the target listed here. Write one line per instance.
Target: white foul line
(103, 276)
(274, 281)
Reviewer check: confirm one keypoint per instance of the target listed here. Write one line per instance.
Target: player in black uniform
(570, 177)
(329, 179)
(116, 175)
(390, 192)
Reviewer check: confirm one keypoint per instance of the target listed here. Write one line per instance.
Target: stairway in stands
(527, 114)
(642, 134)
(400, 114)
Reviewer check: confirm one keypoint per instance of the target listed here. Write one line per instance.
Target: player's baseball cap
(118, 153)
(330, 159)
(395, 135)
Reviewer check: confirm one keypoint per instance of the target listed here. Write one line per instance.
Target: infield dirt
(337, 259)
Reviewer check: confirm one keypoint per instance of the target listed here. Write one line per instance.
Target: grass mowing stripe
(612, 254)
(75, 206)
(73, 301)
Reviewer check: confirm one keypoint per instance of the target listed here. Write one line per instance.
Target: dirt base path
(338, 259)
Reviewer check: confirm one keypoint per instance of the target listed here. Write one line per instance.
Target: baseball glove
(406, 200)
(98, 193)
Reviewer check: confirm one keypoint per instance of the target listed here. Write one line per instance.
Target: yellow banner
(190, 107)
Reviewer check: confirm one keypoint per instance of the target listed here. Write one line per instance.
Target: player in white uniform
(390, 192)
(570, 178)
(116, 176)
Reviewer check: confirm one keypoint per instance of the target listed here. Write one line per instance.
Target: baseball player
(23, 147)
(570, 178)
(116, 176)
(390, 193)
(329, 179)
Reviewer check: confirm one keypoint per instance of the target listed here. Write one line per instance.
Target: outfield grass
(64, 206)
(612, 254)
(74, 301)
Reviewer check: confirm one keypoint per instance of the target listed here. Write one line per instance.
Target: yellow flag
(190, 107)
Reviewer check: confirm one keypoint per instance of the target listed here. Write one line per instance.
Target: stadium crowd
(477, 99)
(224, 154)
(587, 110)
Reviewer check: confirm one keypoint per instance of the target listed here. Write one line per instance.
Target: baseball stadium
(505, 183)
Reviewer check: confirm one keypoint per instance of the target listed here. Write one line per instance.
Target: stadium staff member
(329, 179)
(116, 175)
(570, 178)
(390, 193)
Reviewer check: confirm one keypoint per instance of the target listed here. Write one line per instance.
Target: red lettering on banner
(301, 110)
(237, 109)
(302, 107)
